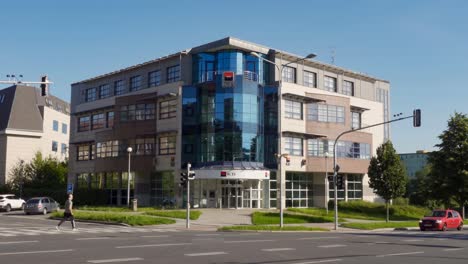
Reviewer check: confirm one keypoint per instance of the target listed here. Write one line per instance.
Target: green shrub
(194, 215)
(400, 201)
(112, 217)
(262, 218)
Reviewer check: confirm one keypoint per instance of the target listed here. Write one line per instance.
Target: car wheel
(27, 213)
(444, 228)
(44, 212)
(422, 229)
(460, 227)
(8, 208)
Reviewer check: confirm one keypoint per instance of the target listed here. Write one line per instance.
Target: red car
(441, 220)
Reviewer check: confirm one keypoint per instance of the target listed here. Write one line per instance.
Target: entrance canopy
(232, 174)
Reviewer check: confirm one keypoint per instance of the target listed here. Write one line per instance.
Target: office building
(414, 162)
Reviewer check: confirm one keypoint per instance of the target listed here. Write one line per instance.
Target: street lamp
(279, 155)
(326, 182)
(129, 150)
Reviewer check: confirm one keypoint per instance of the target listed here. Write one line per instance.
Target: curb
(93, 222)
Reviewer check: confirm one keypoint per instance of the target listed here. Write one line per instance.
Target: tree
(450, 163)
(419, 190)
(387, 174)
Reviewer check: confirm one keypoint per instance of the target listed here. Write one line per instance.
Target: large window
(84, 152)
(64, 148)
(55, 125)
(154, 78)
(310, 79)
(98, 121)
(91, 95)
(356, 120)
(104, 91)
(143, 146)
(167, 109)
(329, 84)
(82, 181)
(354, 183)
(54, 146)
(107, 149)
(299, 187)
(135, 83)
(137, 112)
(293, 146)
(83, 123)
(348, 88)
(345, 149)
(326, 113)
(119, 87)
(293, 109)
(110, 119)
(167, 145)
(64, 128)
(162, 188)
(289, 74)
(173, 73)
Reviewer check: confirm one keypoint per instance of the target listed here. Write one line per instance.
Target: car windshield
(33, 201)
(438, 213)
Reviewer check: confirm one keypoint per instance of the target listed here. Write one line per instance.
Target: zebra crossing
(36, 231)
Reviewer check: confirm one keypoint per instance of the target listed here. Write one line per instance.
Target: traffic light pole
(187, 222)
(416, 122)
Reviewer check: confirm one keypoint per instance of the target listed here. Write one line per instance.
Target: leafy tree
(450, 163)
(387, 174)
(419, 190)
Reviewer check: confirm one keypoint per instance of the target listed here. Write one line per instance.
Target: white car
(9, 202)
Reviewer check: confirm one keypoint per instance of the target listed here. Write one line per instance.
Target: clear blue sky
(421, 47)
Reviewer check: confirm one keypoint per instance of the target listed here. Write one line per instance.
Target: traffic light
(44, 86)
(337, 168)
(191, 175)
(339, 182)
(288, 160)
(183, 179)
(417, 118)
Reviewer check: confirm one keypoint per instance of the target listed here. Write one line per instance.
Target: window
(104, 91)
(310, 79)
(98, 121)
(167, 145)
(289, 74)
(83, 152)
(154, 78)
(318, 148)
(293, 109)
(354, 183)
(293, 146)
(64, 128)
(82, 181)
(326, 113)
(91, 95)
(83, 123)
(107, 149)
(344, 149)
(329, 84)
(137, 112)
(119, 87)
(55, 125)
(348, 88)
(356, 120)
(110, 119)
(135, 83)
(299, 189)
(54, 146)
(167, 109)
(64, 149)
(143, 146)
(173, 73)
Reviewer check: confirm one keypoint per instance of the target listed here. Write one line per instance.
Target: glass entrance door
(232, 194)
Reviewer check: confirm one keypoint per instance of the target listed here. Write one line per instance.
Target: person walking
(68, 214)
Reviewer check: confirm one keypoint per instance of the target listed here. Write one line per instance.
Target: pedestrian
(68, 214)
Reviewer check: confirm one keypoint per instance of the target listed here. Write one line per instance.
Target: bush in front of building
(112, 217)
(267, 218)
(194, 215)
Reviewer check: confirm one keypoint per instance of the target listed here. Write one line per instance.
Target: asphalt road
(33, 239)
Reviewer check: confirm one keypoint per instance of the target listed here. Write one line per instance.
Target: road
(33, 239)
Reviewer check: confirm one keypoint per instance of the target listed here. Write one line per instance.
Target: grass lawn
(262, 218)
(116, 217)
(270, 228)
(377, 225)
(367, 211)
(194, 215)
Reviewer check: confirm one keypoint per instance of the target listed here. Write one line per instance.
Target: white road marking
(114, 260)
(155, 236)
(412, 240)
(205, 254)
(315, 238)
(400, 254)
(18, 242)
(331, 246)
(155, 245)
(277, 249)
(248, 241)
(36, 252)
(320, 261)
(92, 238)
(453, 249)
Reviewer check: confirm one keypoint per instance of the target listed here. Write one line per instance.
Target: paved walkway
(211, 219)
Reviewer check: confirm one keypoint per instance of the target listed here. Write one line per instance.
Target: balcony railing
(251, 76)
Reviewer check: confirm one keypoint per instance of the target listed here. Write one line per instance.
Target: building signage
(228, 79)
(70, 188)
(233, 174)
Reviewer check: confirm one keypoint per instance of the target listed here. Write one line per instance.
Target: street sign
(70, 188)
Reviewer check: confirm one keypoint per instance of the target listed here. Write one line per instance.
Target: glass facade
(225, 125)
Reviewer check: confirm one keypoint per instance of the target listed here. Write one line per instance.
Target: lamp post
(129, 150)
(280, 69)
(326, 182)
